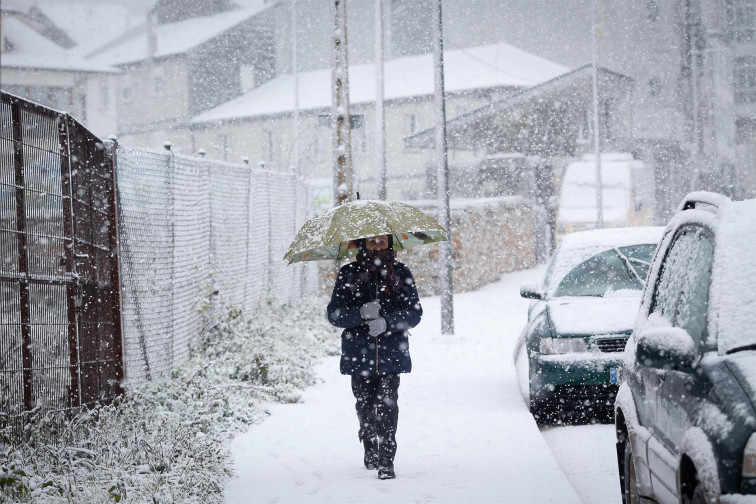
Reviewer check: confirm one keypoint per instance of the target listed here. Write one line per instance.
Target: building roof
(90, 25)
(565, 86)
(481, 67)
(175, 38)
(34, 51)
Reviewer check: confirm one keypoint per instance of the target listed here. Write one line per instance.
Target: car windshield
(617, 269)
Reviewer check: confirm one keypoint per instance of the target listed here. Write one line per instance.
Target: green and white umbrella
(330, 234)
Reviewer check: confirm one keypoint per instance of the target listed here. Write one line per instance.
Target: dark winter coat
(359, 353)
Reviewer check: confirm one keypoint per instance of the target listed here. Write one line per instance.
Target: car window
(640, 257)
(694, 300)
(672, 278)
(610, 271)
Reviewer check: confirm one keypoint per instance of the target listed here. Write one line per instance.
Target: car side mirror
(666, 348)
(530, 292)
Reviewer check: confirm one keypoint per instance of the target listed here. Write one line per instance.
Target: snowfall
(465, 433)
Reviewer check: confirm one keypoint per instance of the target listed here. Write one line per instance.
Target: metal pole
(342, 140)
(248, 244)
(295, 75)
(115, 267)
(445, 266)
(596, 131)
(73, 284)
(380, 124)
(172, 230)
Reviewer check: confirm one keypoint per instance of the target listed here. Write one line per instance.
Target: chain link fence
(197, 235)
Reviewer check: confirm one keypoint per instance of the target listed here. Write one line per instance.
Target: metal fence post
(213, 244)
(115, 266)
(73, 291)
(249, 231)
(172, 231)
(23, 263)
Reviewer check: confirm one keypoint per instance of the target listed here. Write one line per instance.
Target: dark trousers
(378, 411)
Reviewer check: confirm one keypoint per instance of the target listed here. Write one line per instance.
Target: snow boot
(371, 453)
(386, 470)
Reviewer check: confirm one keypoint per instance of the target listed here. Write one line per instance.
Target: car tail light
(749, 458)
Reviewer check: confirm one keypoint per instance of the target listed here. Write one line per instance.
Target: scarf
(377, 262)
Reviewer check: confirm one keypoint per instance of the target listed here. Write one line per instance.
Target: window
(674, 270)
(741, 18)
(412, 125)
(38, 94)
(694, 299)
(60, 99)
(270, 146)
(625, 268)
(745, 130)
(16, 90)
(104, 97)
(652, 11)
(745, 79)
(584, 128)
(159, 85)
(654, 86)
(224, 144)
(8, 45)
(359, 134)
(126, 95)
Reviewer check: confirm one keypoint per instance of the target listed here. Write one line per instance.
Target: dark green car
(686, 410)
(580, 319)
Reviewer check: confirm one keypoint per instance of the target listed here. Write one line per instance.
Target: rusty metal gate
(60, 317)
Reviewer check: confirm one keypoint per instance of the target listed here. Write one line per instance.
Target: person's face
(377, 242)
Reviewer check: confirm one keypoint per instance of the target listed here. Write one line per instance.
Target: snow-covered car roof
(733, 288)
(578, 247)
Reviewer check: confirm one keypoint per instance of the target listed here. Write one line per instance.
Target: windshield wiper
(629, 265)
(752, 346)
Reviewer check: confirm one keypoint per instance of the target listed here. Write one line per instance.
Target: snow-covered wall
(490, 237)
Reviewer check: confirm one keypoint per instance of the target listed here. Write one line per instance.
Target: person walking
(375, 301)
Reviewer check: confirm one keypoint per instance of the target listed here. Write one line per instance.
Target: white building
(44, 57)
(259, 125)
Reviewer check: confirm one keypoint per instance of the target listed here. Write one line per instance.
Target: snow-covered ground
(465, 433)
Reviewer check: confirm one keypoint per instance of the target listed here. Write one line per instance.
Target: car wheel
(631, 495)
(698, 496)
(539, 408)
(535, 405)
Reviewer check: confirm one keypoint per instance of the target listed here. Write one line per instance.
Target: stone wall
(490, 237)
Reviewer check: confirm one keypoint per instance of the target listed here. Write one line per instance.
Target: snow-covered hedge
(167, 441)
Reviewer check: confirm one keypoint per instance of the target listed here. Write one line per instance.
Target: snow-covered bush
(167, 441)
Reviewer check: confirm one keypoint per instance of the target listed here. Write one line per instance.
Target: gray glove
(376, 326)
(371, 310)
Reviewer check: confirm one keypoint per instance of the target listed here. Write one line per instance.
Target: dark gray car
(686, 411)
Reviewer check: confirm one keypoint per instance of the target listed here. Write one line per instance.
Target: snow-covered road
(465, 434)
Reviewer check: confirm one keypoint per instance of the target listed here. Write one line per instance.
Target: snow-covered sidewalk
(465, 434)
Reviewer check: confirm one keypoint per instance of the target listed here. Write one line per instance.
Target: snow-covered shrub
(167, 441)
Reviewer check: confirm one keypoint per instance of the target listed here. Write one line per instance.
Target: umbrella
(329, 234)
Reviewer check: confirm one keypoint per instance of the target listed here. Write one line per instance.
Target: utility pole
(342, 139)
(442, 179)
(380, 124)
(596, 131)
